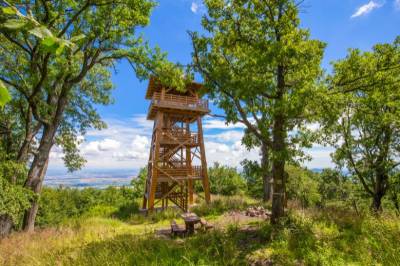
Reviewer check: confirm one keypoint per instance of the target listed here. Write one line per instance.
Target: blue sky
(342, 24)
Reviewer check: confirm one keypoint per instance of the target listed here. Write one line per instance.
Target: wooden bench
(176, 230)
(205, 225)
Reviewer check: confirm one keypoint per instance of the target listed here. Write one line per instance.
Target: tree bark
(36, 186)
(279, 151)
(266, 174)
(376, 205)
(6, 224)
(379, 192)
(40, 162)
(278, 170)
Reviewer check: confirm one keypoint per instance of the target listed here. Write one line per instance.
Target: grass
(331, 236)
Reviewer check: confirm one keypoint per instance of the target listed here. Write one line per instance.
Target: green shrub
(139, 182)
(60, 204)
(302, 185)
(224, 180)
(14, 200)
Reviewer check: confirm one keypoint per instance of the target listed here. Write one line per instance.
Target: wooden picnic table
(190, 220)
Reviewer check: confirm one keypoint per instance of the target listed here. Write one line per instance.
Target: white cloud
(140, 143)
(397, 4)
(138, 150)
(194, 7)
(212, 123)
(321, 157)
(109, 145)
(95, 147)
(366, 9)
(125, 144)
(227, 136)
(197, 7)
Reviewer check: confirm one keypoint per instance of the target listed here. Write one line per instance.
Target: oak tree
(260, 67)
(58, 71)
(362, 117)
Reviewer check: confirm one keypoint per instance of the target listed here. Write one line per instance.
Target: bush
(302, 185)
(14, 198)
(139, 182)
(224, 180)
(57, 205)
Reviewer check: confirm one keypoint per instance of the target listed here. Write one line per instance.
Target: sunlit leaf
(78, 37)
(9, 10)
(41, 32)
(5, 96)
(50, 44)
(60, 49)
(14, 24)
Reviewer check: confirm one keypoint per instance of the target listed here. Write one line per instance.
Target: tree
(362, 116)
(261, 67)
(56, 75)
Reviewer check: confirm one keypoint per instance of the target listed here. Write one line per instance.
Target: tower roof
(156, 86)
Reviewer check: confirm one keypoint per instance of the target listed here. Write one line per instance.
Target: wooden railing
(183, 171)
(180, 136)
(178, 100)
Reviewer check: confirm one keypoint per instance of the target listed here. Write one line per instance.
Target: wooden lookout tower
(177, 156)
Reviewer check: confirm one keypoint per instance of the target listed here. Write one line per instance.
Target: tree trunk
(266, 174)
(279, 149)
(38, 167)
(278, 170)
(36, 174)
(379, 191)
(30, 214)
(376, 206)
(6, 224)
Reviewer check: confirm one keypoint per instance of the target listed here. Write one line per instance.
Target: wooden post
(206, 185)
(189, 165)
(153, 184)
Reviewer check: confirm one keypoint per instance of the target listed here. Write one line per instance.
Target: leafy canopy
(56, 60)
(362, 115)
(245, 44)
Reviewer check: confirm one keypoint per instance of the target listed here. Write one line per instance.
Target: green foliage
(5, 96)
(252, 173)
(262, 68)
(221, 204)
(14, 199)
(138, 183)
(302, 184)
(56, 62)
(61, 204)
(239, 57)
(362, 121)
(224, 180)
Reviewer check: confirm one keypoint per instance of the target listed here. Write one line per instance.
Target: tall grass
(331, 236)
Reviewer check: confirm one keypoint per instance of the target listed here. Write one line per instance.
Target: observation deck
(177, 104)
